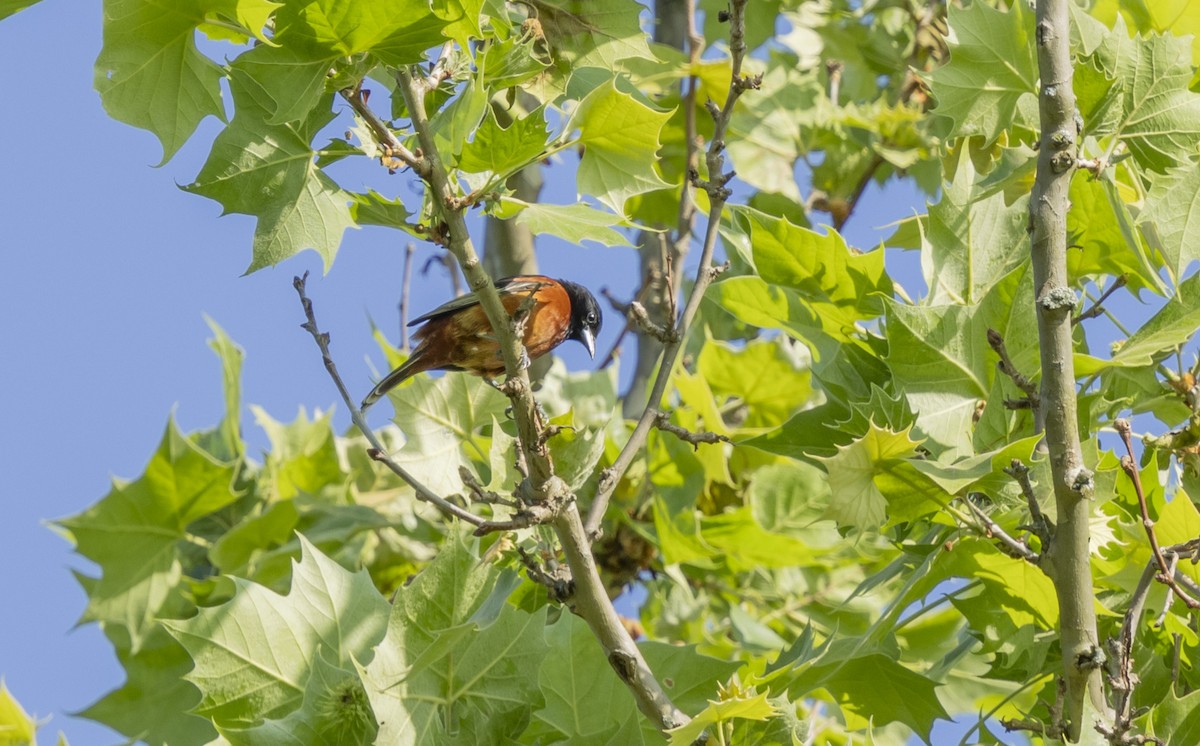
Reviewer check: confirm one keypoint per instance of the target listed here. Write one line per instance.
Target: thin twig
(718, 194)
(377, 451)
(1005, 366)
(1166, 573)
(992, 530)
(663, 422)
(405, 294)
(1097, 308)
(1042, 526)
(386, 139)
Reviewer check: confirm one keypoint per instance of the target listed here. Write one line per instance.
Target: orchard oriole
(457, 335)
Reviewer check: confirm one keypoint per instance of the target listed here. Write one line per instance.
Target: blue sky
(108, 271)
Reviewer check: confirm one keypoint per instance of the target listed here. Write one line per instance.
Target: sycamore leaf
(856, 500)
(585, 708)
(620, 136)
(504, 150)
(1173, 210)
(134, 532)
(253, 654)
(267, 170)
(592, 33)
(16, 727)
(1177, 718)
(842, 287)
(335, 710)
(744, 706)
(1178, 523)
(992, 72)
(1018, 589)
(1147, 105)
(303, 456)
(970, 242)
(462, 19)
(767, 378)
(155, 702)
(9, 7)
(149, 73)
(225, 442)
(1172, 326)
(239, 21)
(1103, 238)
(439, 418)
(575, 223)
(446, 672)
(898, 694)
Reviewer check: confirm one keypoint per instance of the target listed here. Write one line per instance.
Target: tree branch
(541, 482)
(1068, 554)
(663, 422)
(718, 193)
(1166, 573)
(377, 451)
(1006, 366)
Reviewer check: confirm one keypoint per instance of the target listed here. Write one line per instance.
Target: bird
(456, 336)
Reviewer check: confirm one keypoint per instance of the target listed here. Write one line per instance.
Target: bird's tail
(411, 367)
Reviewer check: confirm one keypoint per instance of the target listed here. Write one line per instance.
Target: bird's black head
(585, 316)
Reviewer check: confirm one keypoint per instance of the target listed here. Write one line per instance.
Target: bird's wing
(506, 286)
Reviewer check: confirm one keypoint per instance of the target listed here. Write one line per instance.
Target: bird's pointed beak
(589, 341)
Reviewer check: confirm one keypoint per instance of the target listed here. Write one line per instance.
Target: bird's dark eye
(591, 318)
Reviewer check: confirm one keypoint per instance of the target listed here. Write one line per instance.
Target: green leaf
(1103, 238)
(898, 694)
(267, 170)
(373, 208)
(576, 451)
(857, 501)
(620, 136)
(239, 21)
(1172, 326)
(1147, 105)
(1180, 522)
(575, 223)
(502, 151)
(1178, 718)
(149, 73)
(971, 241)
(446, 673)
(744, 705)
(134, 533)
(941, 361)
(16, 727)
(155, 702)
(440, 418)
(462, 19)
(303, 456)
(1017, 588)
(335, 710)
(1173, 211)
(9, 7)
(841, 287)
(254, 654)
(226, 441)
(991, 79)
(592, 33)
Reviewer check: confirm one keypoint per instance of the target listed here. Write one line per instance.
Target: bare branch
(377, 451)
(1097, 308)
(705, 273)
(1166, 568)
(992, 530)
(1042, 527)
(1022, 382)
(395, 154)
(663, 422)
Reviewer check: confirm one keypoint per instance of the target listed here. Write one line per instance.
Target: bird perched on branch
(457, 335)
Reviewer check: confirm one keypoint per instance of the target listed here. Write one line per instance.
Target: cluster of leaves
(823, 578)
